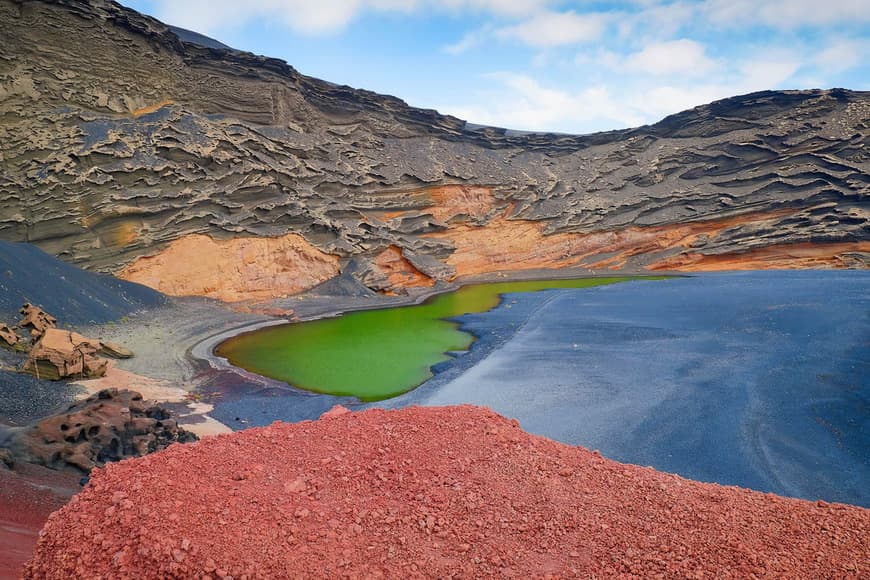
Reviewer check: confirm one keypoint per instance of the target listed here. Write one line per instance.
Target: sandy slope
(430, 492)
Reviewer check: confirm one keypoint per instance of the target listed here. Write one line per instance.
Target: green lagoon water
(375, 354)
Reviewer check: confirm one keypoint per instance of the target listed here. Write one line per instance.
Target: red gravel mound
(422, 492)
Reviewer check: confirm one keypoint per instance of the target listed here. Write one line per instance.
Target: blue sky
(549, 65)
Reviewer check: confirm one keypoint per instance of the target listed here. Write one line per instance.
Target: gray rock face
(119, 137)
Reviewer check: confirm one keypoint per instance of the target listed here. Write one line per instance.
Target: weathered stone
(61, 354)
(108, 426)
(36, 320)
(8, 337)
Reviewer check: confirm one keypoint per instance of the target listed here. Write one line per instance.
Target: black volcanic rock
(111, 425)
(121, 135)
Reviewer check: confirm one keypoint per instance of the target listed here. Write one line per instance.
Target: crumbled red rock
(28, 494)
(430, 492)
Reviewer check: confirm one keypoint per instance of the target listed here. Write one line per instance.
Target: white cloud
(675, 57)
(323, 16)
(497, 7)
(303, 16)
(471, 40)
(557, 28)
(842, 55)
(787, 14)
(655, 21)
(767, 72)
(521, 102)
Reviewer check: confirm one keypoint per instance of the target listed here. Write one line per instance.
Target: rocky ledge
(430, 492)
(126, 148)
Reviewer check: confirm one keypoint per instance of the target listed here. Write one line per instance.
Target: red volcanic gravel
(425, 492)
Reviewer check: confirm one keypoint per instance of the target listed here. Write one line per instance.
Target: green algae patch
(375, 354)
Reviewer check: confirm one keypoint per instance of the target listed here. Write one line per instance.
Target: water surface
(757, 379)
(375, 354)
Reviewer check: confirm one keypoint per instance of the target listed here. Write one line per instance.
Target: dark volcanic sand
(430, 492)
(73, 295)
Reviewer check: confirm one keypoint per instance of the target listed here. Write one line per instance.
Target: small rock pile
(455, 492)
(56, 354)
(108, 426)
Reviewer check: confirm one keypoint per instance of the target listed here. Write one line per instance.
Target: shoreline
(174, 343)
(204, 350)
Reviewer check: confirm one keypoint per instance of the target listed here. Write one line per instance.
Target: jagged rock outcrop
(108, 426)
(62, 354)
(8, 337)
(121, 141)
(36, 320)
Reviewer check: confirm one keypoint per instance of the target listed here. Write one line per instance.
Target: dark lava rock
(109, 426)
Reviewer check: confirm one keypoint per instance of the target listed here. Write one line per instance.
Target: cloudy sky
(549, 65)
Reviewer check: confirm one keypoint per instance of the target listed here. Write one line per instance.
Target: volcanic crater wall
(119, 139)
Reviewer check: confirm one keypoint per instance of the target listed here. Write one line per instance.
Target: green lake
(375, 354)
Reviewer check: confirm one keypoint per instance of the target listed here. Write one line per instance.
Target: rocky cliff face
(120, 141)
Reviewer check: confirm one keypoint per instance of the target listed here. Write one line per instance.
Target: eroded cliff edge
(124, 146)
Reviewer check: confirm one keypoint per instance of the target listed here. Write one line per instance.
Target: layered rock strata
(124, 143)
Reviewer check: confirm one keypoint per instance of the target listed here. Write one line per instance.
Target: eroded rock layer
(455, 492)
(108, 426)
(120, 139)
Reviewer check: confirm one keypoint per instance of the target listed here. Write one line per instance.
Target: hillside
(455, 492)
(128, 150)
(27, 274)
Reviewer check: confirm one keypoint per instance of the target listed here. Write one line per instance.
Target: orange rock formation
(234, 270)
(506, 244)
(60, 354)
(399, 272)
(461, 202)
(788, 256)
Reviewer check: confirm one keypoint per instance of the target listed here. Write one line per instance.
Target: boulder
(108, 426)
(63, 354)
(8, 337)
(36, 320)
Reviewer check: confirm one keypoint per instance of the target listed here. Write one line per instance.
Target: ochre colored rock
(108, 426)
(114, 350)
(8, 337)
(36, 320)
(775, 257)
(453, 492)
(61, 354)
(462, 203)
(392, 273)
(236, 269)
